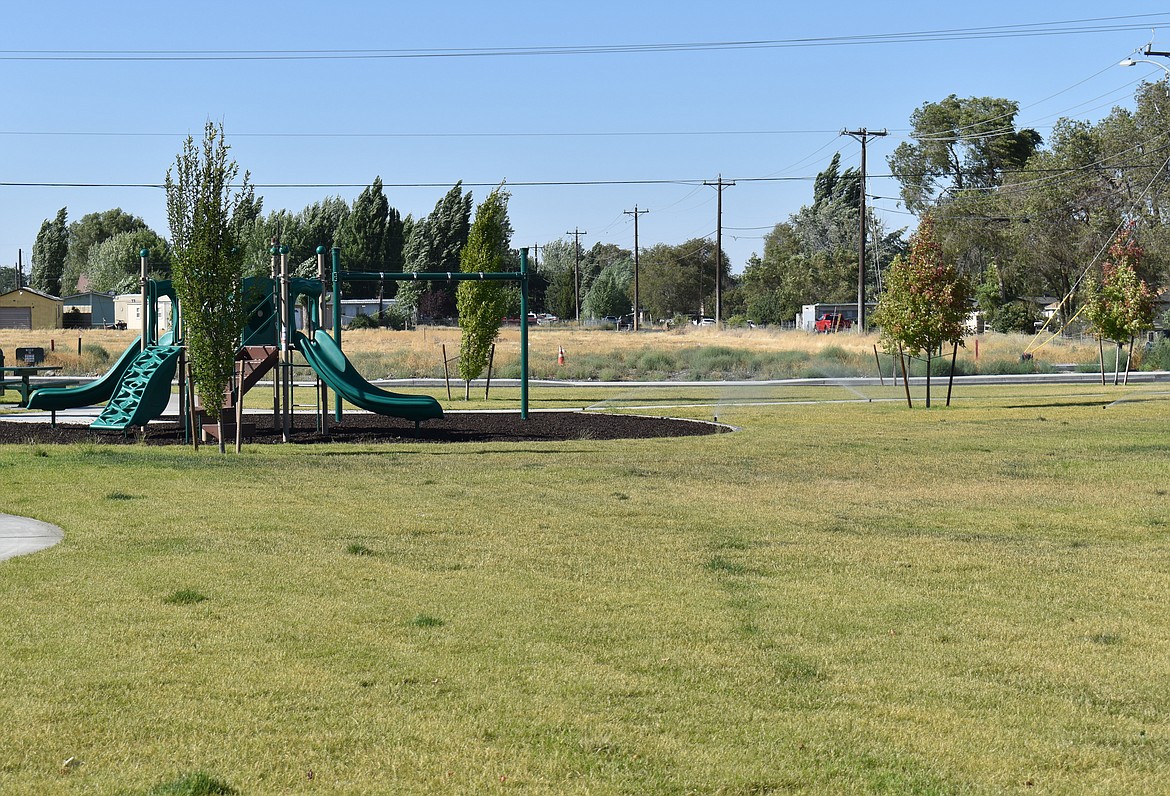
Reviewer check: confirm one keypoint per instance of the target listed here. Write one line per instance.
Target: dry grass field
(690, 353)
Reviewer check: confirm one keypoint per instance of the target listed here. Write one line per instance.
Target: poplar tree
(207, 215)
(48, 255)
(482, 304)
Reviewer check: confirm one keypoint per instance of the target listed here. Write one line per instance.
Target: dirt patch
(373, 429)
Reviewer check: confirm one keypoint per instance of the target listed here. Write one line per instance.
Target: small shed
(89, 310)
(128, 311)
(25, 308)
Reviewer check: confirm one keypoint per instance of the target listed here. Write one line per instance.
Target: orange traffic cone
(560, 356)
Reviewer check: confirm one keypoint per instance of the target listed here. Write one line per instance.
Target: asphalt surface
(20, 535)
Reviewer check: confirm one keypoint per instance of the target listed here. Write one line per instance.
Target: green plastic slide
(144, 391)
(327, 359)
(98, 391)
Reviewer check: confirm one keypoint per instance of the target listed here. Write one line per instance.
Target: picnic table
(21, 379)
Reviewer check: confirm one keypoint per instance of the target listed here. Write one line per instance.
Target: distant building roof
(34, 292)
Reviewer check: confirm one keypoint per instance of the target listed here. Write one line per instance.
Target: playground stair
(256, 361)
(143, 391)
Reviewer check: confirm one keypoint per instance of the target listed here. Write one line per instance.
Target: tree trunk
(905, 378)
(1101, 350)
(1128, 360)
(929, 358)
(1116, 363)
(951, 381)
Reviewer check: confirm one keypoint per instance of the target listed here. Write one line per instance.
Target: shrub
(96, 352)
(363, 321)
(1157, 355)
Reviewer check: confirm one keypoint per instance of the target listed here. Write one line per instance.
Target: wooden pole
(446, 371)
(878, 360)
(929, 357)
(195, 430)
(491, 360)
(239, 406)
(1128, 359)
(1101, 350)
(905, 380)
(951, 381)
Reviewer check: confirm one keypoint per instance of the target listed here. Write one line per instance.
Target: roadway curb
(21, 535)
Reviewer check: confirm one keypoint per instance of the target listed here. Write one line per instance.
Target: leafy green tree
(679, 280)
(926, 301)
(959, 144)
(435, 244)
(371, 239)
(1120, 305)
(1002, 310)
(207, 218)
(115, 263)
(482, 304)
(556, 268)
(610, 293)
(303, 231)
(812, 257)
(48, 255)
(88, 231)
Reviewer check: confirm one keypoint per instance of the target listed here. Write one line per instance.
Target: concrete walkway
(20, 536)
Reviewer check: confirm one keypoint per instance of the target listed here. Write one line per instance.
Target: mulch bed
(371, 429)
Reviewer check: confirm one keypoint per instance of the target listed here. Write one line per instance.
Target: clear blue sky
(683, 115)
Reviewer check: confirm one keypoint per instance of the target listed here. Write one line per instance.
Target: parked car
(704, 322)
(832, 322)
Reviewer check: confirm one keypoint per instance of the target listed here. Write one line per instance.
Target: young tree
(48, 255)
(925, 303)
(482, 304)
(1120, 305)
(207, 215)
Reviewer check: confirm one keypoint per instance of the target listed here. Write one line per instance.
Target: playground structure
(138, 388)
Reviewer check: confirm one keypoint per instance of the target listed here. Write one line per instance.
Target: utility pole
(637, 306)
(577, 233)
(719, 185)
(863, 135)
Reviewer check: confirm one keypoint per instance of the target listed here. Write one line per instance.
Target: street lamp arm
(1136, 61)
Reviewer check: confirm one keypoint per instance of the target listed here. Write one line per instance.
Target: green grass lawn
(841, 598)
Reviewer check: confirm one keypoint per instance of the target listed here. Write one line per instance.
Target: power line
(1092, 25)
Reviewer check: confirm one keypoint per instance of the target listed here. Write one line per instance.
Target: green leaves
(482, 305)
(1119, 304)
(926, 301)
(207, 216)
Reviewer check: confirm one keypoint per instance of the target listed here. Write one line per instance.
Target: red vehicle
(832, 322)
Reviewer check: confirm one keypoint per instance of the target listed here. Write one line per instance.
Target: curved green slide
(95, 392)
(144, 390)
(327, 359)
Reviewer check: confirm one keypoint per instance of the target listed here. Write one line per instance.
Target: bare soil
(375, 429)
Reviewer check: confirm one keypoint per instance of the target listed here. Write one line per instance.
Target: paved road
(20, 535)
